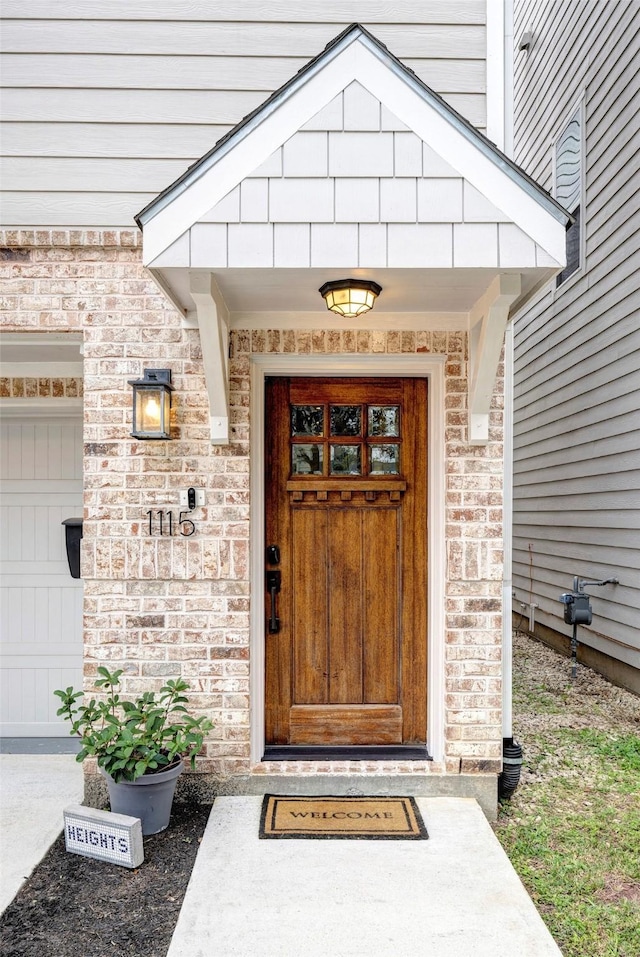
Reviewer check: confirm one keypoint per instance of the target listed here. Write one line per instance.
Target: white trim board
(496, 76)
(375, 321)
(38, 407)
(42, 370)
(428, 366)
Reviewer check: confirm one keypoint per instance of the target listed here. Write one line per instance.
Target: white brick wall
(167, 606)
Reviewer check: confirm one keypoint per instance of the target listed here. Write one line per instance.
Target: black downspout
(511, 764)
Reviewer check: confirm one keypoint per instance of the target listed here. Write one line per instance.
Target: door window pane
(384, 420)
(345, 460)
(306, 459)
(345, 420)
(384, 459)
(307, 419)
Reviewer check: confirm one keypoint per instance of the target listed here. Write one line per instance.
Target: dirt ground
(72, 906)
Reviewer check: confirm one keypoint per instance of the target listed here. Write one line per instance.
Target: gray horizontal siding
(577, 349)
(89, 88)
(572, 43)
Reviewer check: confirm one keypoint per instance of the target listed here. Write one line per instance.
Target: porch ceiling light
(152, 404)
(350, 297)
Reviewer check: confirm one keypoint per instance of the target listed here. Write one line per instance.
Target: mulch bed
(72, 905)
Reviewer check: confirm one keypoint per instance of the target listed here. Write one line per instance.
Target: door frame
(409, 366)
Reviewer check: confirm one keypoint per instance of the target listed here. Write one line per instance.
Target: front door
(346, 501)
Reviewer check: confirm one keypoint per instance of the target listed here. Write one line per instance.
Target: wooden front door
(346, 500)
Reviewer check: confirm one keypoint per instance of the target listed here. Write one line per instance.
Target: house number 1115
(162, 522)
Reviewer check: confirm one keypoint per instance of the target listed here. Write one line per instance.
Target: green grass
(581, 866)
(572, 829)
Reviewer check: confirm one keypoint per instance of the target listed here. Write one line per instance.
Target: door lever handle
(273, 585)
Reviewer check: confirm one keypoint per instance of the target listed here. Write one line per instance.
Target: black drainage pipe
(511, 765)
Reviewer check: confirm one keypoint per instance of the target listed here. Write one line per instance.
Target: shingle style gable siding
(388, 197)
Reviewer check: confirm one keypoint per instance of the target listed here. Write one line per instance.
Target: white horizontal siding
(180, 107)
(227, 41)
(106, 84)
(93, 142)
(577, 349)
(329, 11)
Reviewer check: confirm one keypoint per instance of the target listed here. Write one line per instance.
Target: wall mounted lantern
(152, 404)
(350, 297)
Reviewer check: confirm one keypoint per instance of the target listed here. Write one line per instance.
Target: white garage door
(40, 604)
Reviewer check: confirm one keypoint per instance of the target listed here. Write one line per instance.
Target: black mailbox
(73, 534)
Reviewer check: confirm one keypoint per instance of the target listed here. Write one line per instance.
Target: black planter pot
(149, 797)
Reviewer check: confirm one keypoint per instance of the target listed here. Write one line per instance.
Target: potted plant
(139, 745)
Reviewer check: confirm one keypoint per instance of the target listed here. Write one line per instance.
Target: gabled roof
(300, 86)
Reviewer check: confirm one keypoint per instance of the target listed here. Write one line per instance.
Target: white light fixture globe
(350, 297)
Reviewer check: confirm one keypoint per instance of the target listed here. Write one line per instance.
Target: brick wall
(43, 387)
(158, 606)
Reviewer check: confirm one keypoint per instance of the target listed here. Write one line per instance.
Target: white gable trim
(364, 62)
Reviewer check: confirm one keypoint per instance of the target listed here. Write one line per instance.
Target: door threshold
(357, 752)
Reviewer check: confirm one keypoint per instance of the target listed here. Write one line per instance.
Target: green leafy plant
(132, 738)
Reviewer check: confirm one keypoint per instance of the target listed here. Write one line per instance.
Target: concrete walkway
(455, 895)
(34, 790)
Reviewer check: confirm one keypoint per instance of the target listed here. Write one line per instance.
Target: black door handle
(273, 585)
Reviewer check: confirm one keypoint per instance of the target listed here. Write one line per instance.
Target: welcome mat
(368, 818)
